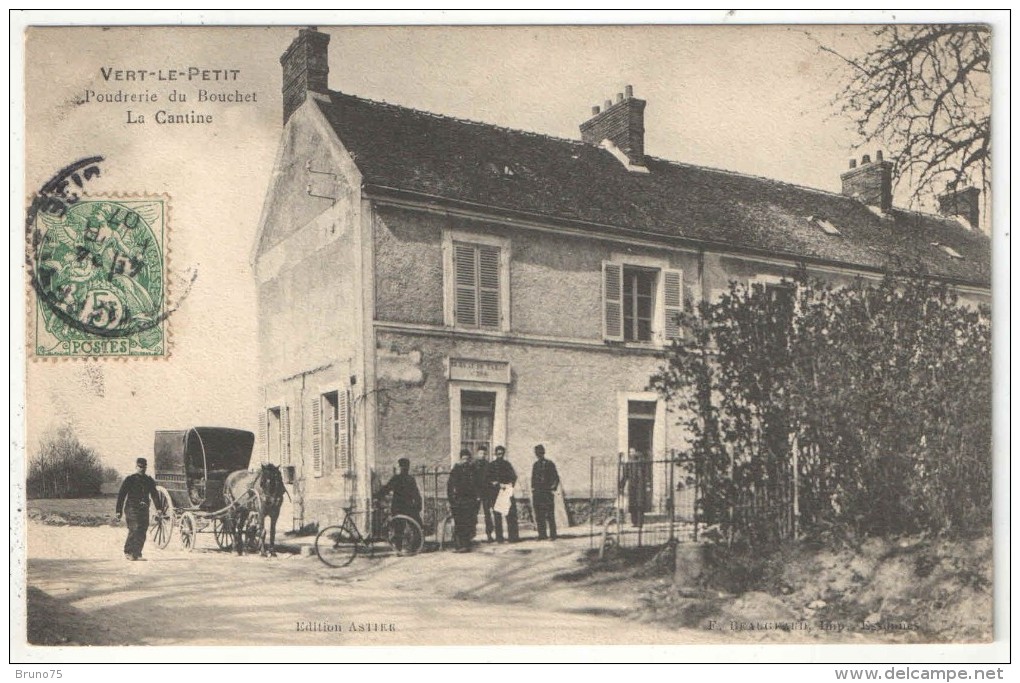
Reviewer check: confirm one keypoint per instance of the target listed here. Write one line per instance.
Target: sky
(748, 99)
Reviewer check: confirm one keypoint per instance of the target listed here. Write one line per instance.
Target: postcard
(505, 335)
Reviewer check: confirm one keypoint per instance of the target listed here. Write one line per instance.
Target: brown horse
(257, 493)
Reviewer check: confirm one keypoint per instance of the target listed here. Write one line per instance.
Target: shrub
(856, 410)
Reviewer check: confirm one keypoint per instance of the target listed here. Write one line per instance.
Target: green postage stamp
(99, 275)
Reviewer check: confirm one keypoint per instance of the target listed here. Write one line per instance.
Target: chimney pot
(628, 91)
(964, 202)
(595, 109)
(622, 123)
(870, 183)
(878, 155)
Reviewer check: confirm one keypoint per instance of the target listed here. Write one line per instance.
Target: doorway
(641, 427)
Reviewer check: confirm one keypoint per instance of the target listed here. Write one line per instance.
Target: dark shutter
(673, 302)
(344, 440)
(466, 281)
(317, 437)
(612, 301)
(488, 287)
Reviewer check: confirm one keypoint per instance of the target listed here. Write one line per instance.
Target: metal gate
(642, 502)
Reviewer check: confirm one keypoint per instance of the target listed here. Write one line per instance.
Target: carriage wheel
(408, 536)
(188, 531)
(446, 530)
(336, 546)
(161, 523)
(223, 535)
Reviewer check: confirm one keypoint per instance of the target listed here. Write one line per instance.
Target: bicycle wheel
(404, 534)
(336, 546)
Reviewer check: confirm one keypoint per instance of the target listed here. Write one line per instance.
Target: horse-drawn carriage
(204, 485)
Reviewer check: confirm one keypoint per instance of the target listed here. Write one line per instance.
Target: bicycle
(337, 545)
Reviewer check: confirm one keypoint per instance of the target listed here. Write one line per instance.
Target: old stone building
(427, 283)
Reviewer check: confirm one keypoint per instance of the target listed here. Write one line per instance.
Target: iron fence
(642, 502)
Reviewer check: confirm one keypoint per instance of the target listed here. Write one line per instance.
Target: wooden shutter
(285, 436)
(488, 287)
(612, 301)
(263, 427)
(344, 443)
(317, 437)
(673, 303)
(466, 285)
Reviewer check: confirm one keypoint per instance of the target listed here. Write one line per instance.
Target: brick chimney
(871, 182)
(305, 68)
(622, 122)
(964, 203)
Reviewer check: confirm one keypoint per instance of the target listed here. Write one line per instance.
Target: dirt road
(82, 591)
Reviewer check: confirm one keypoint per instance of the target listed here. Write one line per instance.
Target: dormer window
(950, 252)
(825, 226)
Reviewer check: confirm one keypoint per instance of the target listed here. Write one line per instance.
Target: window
(641, 303)
(476, 280)
(477, 298)
(477, 415)
(331, 431)
(638, 303)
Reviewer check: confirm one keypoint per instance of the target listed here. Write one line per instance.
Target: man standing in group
(133, 502)
(462, 494)
(406, 500)
(501, 473)
(544, 482)
(486, 494)
(636, 484)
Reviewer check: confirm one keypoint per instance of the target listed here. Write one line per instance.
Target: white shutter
(316, 437)
(673, 303)
(612, 301)
(344, 418)
(285, 436)
(488, 287)
(465, 285)
(262, 428)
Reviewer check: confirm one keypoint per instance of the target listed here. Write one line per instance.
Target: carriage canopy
(192, 463)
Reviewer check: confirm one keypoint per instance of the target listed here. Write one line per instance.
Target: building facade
(427, 284)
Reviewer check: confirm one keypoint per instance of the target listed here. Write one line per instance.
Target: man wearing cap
(462, 494)
(406, 499)
(501, 474)
(133, 502)
(544, 481)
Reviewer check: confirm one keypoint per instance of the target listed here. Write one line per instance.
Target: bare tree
(924, 92)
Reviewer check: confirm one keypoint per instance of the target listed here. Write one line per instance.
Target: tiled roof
(453, 160)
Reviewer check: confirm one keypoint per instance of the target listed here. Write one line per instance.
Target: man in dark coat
(636, 481)
(133, 502)
(544, 482)
(486, 491)
(501, 473)
(406, 500)
(462, 494)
